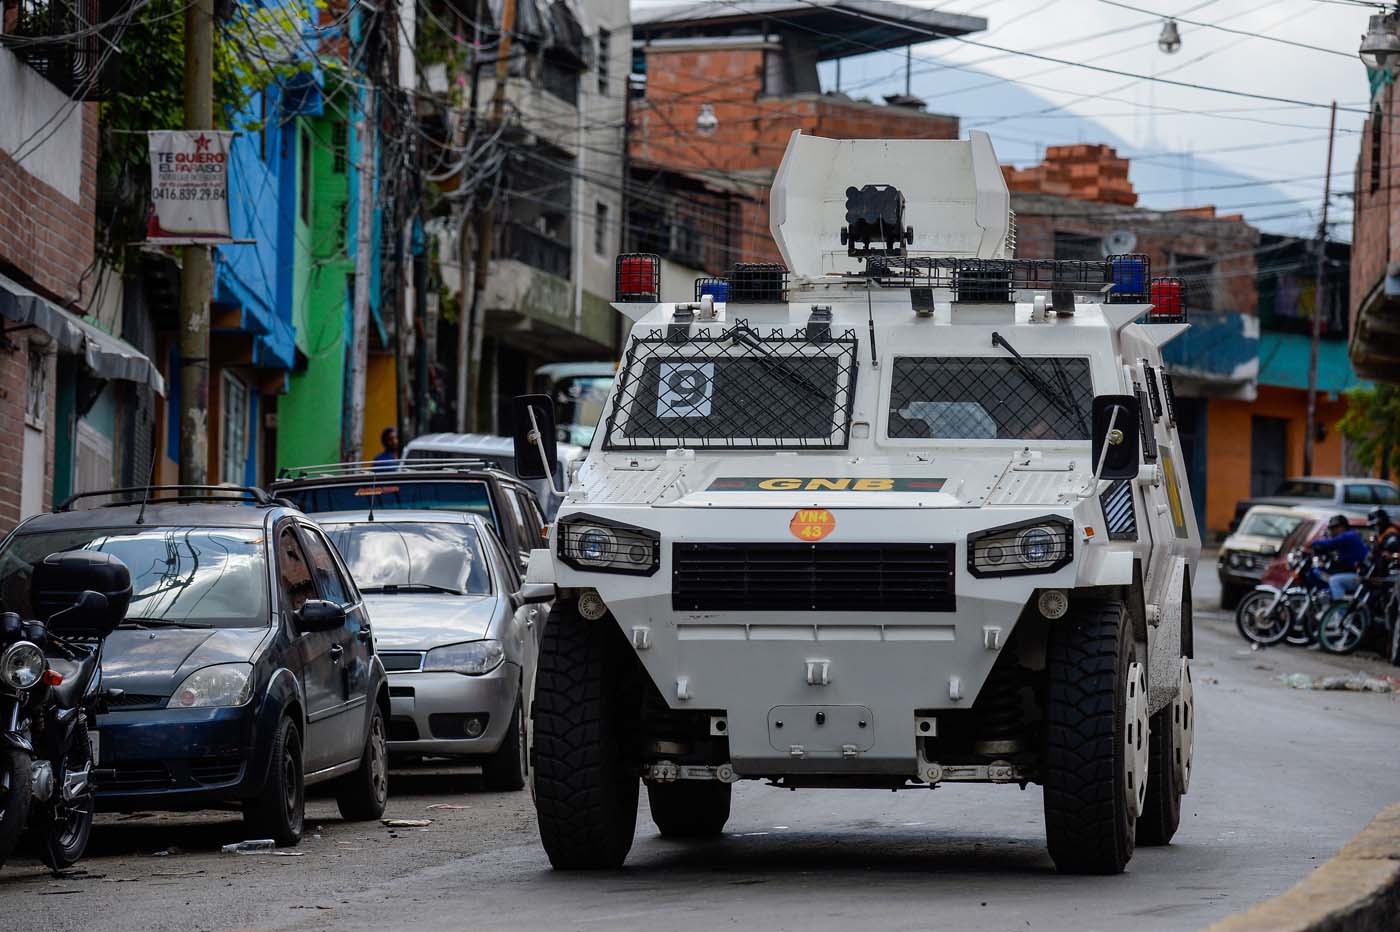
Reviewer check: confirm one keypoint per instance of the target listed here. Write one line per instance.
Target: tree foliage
(1372, 424)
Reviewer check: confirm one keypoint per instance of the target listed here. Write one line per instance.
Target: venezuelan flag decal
(812, 524)
(818, 484)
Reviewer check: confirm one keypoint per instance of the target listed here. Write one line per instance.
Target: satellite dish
(1119, 242)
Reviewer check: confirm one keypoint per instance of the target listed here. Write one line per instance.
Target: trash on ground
(1355, 682)
(452, 807)
(252, 846)
(406, 823)
(167, 852)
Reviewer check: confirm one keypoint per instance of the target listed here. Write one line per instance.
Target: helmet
(1338, 520)
(1378, 518)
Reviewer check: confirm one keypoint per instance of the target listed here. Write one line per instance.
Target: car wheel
(689, 808)
(586, 719)
(508, 767)
(1096, 753)
(280, 811)
(363, 794)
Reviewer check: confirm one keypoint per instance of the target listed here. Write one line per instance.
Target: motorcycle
(50, 693)
(1293, 611)
(1346, 623)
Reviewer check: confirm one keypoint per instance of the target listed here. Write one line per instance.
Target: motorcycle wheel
(1306, 616)
(1263, 618)
(1395, 640)
(16, 774)
(1343, 628)
(63, 827)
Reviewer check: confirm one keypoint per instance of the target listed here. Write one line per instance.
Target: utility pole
(351, 445)
(196, 266)
(467, 403)
(1311, 437)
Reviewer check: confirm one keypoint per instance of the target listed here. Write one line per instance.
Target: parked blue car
(245, 669)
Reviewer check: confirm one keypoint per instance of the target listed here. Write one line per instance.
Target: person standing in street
(1349, 551)
(389, 458)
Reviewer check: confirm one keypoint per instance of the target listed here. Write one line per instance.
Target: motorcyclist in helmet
(1349, 552)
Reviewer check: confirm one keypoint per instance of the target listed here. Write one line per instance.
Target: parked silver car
(456, 631)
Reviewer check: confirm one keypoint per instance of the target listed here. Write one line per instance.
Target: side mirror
(1119, 448)
(534, 449)
(533, 593)
(320, 615)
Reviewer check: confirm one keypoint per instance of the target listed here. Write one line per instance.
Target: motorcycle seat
(76, 677)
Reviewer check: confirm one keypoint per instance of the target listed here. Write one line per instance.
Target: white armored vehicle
(905, 512)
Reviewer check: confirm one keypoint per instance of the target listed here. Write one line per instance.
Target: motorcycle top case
(60, 579)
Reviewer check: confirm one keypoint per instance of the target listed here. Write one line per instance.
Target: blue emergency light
(718, 289)
(1131, 276)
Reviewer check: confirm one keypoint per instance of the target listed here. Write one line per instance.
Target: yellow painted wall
(1228, 444)
(381, 405)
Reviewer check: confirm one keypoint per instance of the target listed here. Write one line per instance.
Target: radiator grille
(821, 577)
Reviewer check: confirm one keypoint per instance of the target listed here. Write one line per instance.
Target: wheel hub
(1135, 743)
(1184, 721)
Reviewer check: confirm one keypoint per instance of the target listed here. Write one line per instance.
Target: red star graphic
(201, 143)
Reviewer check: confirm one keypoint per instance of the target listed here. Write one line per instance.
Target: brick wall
(14, 398)
(1377, 212)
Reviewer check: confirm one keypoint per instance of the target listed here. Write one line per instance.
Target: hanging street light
(1170, 39)
(1380, 46)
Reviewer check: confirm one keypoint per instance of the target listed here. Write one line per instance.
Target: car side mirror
(533, 593)
(319, 615)
(535, 448)
(1116, 447)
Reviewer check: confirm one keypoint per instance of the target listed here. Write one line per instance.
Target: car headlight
(1042, 545)
(220, 686)
(472, 658)
(22, 664)
(588, 543)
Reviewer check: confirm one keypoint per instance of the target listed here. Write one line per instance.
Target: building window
(600, 230)
(305, 193)
(36, 410)
(233, 443)
(604, 53)
(560, 78)
(1080, 246)
(1376, 135)
(340, 134)
(1199, 274)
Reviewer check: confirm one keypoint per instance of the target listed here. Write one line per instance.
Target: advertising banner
(189, 187)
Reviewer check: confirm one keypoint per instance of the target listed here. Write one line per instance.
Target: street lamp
(1380, 46)
(707, 122)
(1170, 39)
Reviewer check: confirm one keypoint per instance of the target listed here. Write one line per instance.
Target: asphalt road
(1283, 777)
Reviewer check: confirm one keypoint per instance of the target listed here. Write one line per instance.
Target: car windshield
(990, 398)
(578, 405)
(393, 556)
(180, 576)
(1302, 488)
(396, 494)
(1269, 524)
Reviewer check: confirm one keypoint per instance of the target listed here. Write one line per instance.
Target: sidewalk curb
(1356, 891)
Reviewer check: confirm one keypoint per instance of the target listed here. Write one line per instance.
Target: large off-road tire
(1171, 744)
(362, 794)
(586, 765)
(16, 774)
(689, 808)
(508, 767)
(280, 812)
(1096, 747)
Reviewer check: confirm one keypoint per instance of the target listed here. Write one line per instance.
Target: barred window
(734, 389)
(990, 398)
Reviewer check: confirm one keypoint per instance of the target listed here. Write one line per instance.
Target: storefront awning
(108, 357)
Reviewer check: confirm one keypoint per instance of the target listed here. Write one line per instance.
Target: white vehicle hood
(422, 621)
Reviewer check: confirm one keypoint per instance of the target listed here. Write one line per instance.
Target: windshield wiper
(411, 587)
(1061, 398)
(160, 623)
(778, 364)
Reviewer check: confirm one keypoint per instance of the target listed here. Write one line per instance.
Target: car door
(351, 648)
(312, 649)
(525, 621)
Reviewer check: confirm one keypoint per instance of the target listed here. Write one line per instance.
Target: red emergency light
(1168, 301)
(638, 277)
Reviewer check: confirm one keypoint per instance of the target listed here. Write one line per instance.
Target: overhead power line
(1237, 32)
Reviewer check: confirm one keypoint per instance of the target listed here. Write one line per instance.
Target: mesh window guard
(989, 398)
(734, 388)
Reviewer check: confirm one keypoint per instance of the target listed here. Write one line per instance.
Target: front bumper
(1242, 568)
(428, 711)
(179, 758)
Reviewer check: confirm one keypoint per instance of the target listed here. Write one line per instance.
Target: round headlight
(1037, 546)
(22, 664)
(595, 545)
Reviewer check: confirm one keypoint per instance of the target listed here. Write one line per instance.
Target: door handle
(363, 635)
(336, 651)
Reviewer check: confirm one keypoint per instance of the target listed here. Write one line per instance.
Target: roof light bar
(1168, 301)
(638, 277)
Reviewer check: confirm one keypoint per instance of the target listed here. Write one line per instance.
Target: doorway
(1268, 454)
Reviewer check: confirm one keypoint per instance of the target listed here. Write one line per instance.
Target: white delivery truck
(902, 512)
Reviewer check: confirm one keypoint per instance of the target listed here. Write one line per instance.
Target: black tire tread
(1087, 824)
(503, 771)
(264, 814)
(13, 819)
(585, 722)
(1161, 813)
